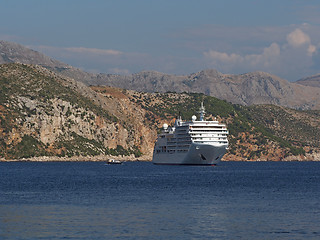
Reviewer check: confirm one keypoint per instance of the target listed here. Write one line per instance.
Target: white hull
(198, 154)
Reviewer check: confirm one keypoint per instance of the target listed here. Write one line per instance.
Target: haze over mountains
(246, 89)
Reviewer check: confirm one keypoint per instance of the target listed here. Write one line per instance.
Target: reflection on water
(142, 201)
(143, 222)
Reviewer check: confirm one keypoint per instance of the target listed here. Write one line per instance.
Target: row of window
(207, 126)
(172, 151)
(196, 131)
(220, 142)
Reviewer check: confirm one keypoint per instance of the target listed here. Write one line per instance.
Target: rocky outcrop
(59, 116)
(141, 132)
(56, 118)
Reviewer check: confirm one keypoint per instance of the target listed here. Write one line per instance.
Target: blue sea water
(138, 200)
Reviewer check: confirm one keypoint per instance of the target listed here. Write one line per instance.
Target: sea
(139, 200)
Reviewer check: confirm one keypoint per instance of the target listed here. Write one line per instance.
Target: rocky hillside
(44, 114)
(260, 132)
(245, 89)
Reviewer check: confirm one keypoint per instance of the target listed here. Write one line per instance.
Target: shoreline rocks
(315, 157)
(99, 158)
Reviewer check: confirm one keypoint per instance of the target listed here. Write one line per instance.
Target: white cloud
(286, 51)
(246, 39)
(119, 71)
(290, 59)
(225, 61)
(224, 57)
(94, 51)
(273, 50)
(98, 60)
(298, 38)
(78, 50)
(311, 50)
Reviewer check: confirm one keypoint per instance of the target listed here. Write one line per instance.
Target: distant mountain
(312, 81)
(13, 52)
(16, 53)
(245, 89)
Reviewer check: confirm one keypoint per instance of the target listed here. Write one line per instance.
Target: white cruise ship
(191, 142)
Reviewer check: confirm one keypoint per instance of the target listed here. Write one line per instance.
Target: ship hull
(198, 154)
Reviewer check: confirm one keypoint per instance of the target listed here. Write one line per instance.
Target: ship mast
(202, 112)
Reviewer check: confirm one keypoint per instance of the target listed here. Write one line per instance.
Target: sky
(281, 37)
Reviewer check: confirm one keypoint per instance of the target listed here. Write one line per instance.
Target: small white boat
(113, 161)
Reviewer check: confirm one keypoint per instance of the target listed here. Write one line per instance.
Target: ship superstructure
(191, 142)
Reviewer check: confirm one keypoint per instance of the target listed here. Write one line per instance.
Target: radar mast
(202, 112)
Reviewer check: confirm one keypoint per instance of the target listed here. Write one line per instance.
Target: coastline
(99, 158)
(315, 157)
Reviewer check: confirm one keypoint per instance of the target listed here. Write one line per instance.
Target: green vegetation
(258, 122)
(28, 147)
(185, 104)
(119, 150)
(26, 81)
(254, 131)
(79, 145)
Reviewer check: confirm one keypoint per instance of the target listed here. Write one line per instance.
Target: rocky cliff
(42, 113)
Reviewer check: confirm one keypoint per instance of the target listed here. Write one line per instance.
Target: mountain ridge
(312, 81)
(246, 89)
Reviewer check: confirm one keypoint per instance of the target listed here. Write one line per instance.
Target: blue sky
(173, 36)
